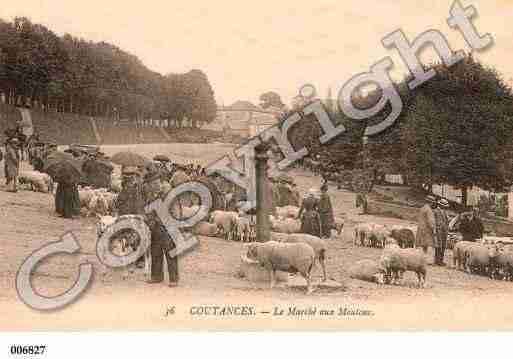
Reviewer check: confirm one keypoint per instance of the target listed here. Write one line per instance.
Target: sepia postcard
(329, 165)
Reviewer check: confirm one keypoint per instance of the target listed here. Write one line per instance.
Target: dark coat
(131, 200)
(67, 201)
(471, 229)
(326, 214)
(442, 227)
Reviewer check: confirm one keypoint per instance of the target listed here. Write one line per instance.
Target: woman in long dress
(310, 219)
(326, 213)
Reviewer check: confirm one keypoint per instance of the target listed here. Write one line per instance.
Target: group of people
(14, 148)
(316, 213)
(139, 188)
(434, 227)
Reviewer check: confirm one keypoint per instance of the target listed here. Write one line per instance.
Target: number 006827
(27, 349)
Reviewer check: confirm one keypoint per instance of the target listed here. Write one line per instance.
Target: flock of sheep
(492, 260)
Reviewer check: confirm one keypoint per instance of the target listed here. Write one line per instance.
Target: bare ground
(452, 300)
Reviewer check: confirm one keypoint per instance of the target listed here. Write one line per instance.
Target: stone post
(263, 230)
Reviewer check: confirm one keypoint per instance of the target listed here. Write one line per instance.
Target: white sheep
(367, 270)
(361, 232)
(396, 261)
(318, 245)
(242, 229)
(287, 225)
(286, 257)
(206, 229)
(38, 181)
(225, 220)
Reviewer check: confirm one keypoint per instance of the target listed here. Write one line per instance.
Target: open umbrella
(129, 159)
(64, 171)
(161, 158)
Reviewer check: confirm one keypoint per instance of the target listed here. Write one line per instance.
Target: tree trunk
(464, 196)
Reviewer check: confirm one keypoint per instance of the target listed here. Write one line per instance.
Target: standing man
(161, 242)
(12, 163)
(442, 230)
(426, 225)
(326, 212)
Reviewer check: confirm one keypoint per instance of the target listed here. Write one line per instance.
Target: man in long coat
(326, 212)
(426, 225)
(67, 200)
(12, 163)
(161, 242)
(441, 231)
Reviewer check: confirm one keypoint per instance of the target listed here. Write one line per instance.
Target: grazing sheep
(404, 236)
(287, 212)
(286, 257)
(367, 270)
(361, 232)
(38, 181)
(396, 261)
(318, 245)
(279, 237)
(225, 220)
(206, 229)
(287, 225)
(478, 259)
(458, 254)
(376, 238)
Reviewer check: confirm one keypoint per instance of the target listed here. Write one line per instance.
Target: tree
(458, 129)
(271, 99)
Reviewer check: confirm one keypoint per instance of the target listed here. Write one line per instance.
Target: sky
(249, 47)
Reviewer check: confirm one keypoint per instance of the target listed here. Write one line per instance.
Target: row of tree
(455, 129)
(67, 74)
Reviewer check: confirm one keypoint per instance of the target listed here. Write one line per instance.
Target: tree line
(69, 74)
(455, 129)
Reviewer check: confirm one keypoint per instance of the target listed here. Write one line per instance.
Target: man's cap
(443, 202)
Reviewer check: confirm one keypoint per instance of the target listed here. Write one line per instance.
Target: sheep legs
(323, 265)
(272, 272)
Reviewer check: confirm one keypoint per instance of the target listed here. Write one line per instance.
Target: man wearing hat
(131, 198)
(12, 163)
(161, 242)
(441, 231)
(426, 225)
(326, 212)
